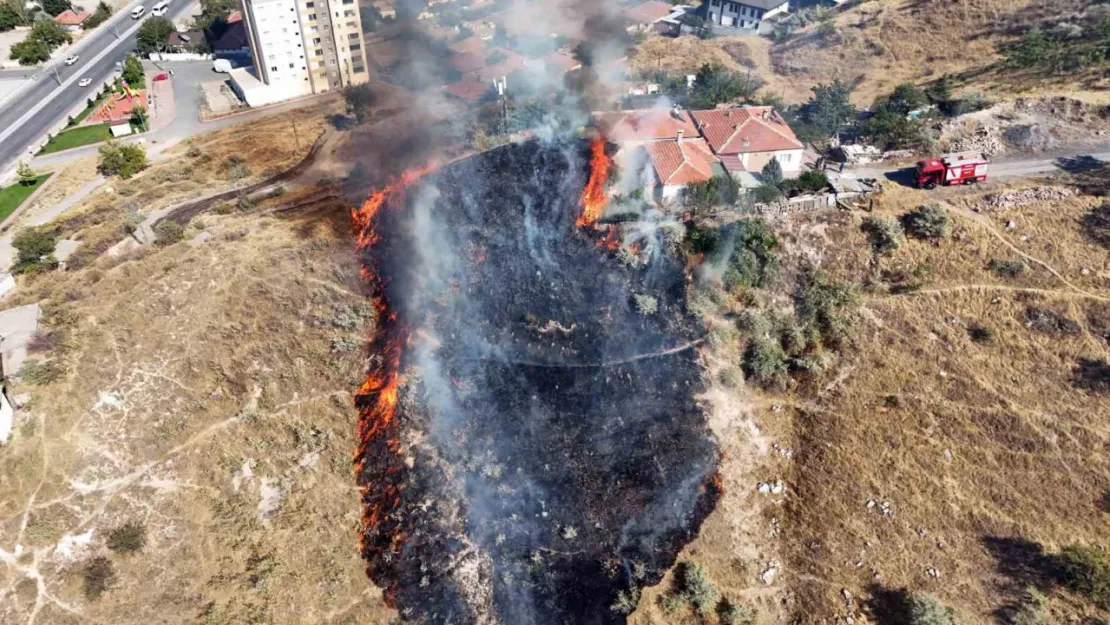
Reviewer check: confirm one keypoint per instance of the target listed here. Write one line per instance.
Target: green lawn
(77, 137)
(89, 109)
(11, 197)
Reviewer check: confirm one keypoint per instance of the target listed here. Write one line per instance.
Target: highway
(42, 104)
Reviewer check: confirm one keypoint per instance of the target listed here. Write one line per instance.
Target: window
(352, 36)
(355, 47)
(311, 16)
(310, 5)
(273, 69)
(348, 13)
(316, 41)
(285, 31)
(317, 53)
(351, 25)
(290, 66)
(358, 69)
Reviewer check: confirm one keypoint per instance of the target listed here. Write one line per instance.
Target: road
(53, 93)
(1001, 167)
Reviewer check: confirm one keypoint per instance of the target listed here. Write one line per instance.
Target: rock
(1013, 199)
(870, 504)
(21, 399)
(777, 488)
(1011, 224)
(764, 488)
(768, 575)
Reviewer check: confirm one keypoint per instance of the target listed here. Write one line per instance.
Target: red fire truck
(957, 168)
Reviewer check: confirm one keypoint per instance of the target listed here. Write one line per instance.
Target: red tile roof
(681, 162)
(510, 64)
(648, 12)
(645, 125)
(560, 61)
(71, 18)
(746, 129)
(466, 62)
(468, 90)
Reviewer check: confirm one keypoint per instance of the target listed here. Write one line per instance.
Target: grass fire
(530, 443)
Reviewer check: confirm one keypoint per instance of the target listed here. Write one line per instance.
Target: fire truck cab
(948, 169)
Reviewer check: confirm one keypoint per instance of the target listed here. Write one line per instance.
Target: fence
(180, 56)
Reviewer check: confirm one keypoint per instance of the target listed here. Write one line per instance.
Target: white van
(160, 9)
(137, 12)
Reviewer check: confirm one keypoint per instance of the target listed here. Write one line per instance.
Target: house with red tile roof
(71, 20)
(678, 163)
(642, 16)
(642, 125)
(746, 138)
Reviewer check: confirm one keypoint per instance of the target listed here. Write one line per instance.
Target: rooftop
(746, 129)
(683, 162)
(646, 124)
(71, 18)
(648, 12)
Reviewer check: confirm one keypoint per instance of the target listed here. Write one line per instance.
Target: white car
(137, 12)
(84, 82)
(71, 59)
(160, 9)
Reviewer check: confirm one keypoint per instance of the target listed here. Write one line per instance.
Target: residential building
(747, 14)
(71, 20)
(642, 126)
(300, 47)
(643, 16)
(746, 138)
(678, 163)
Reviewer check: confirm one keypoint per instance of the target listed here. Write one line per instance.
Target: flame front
(593, 197)
(376, 399)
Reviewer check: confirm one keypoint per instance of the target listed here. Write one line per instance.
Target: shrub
(39, 373)
(245, 203)
(1030, 609)
(825, 304)
(754, 261)
(34, 247)
(646, 304)
(698, 589)
(238, 172)
(924, 609)
(884, 234)
(1006, 268)
(771, 172)
(928, 222)
(128, 538)
(766, 194)
(168, 232)
(225, 208)
(99, 16)
(735, 614)
(811, 181)
(980, 334)
(26, 175)
(98, 576)
(765, 362)
(193, 151)
(43, 341)
(626, 601)
(717, 191)
(121, 160)
(1086, 569)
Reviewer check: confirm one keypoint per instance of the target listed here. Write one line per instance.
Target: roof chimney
(680, 133)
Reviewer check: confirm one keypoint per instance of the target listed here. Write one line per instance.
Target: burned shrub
(1085, 569)
(99, 575)
(1049, 321)
(1092, 375)
(128, 538)
(928, 222)
(884, 234)
(1006, 268)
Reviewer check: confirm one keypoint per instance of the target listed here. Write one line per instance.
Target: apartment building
(300, 47)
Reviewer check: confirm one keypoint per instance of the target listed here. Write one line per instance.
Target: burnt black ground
(547, 460)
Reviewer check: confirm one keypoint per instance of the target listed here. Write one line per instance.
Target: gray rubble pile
(1013, 199)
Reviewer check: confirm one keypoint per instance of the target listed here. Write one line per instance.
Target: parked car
(222, 66)
(84, 82)
(137, 12)
(160, 9)
(71, 59)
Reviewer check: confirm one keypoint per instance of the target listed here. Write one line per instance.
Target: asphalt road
(1001, 167)
(40, 106)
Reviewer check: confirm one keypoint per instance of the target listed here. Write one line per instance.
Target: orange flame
(593, 197)
(377, 397)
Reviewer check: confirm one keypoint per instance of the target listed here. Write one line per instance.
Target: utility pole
(57, 76)
(501, 88)
(296, 138)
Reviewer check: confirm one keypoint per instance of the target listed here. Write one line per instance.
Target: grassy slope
(77, 137)
(985, 451)
(11, 197)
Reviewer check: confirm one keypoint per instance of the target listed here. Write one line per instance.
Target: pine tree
(26, 174)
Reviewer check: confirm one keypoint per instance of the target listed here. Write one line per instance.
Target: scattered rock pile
(985, 140)
(1012, 199)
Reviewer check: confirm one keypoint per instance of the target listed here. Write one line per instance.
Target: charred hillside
(531, 442)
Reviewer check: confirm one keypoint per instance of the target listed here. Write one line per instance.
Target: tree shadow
(1092, 375)
(1023, 563)
(887, 606)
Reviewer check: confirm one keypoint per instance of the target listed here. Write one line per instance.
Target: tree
(923, 609)
(139, 117)
(153, 35)
(49, 33)
(771, 172)
(26, 175)
(360, 100)
(30, 52)
(715, 85)
(132, 70)
(766, 193)
(10, 17)
(828, 109)
(1086, 569)
(884, 233)
(906, 97)
(1031, 50)
(891, 128)
(99, 16)
(940, 91)
(121, 160)
(56, 7)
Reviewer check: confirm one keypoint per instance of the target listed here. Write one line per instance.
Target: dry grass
(977, 446)
(187, 364)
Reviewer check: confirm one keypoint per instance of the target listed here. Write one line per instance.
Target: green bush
(1030, 609)
(626, 601)
(99, 16)
(884, 234)
(731, 613)
(826, 304)
(717, 191)
(35, 249)
(99, 575)
(754, 261)
(928, 222)
(39, 373)
(924, 609)
(766, 194)
(1085, 569)
(128, 538)
(646, 304)
(121, 160)
(771, 172)
(245, 204)
(1006, 268)
(765, 362)
(696, 588)
(168, 232)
